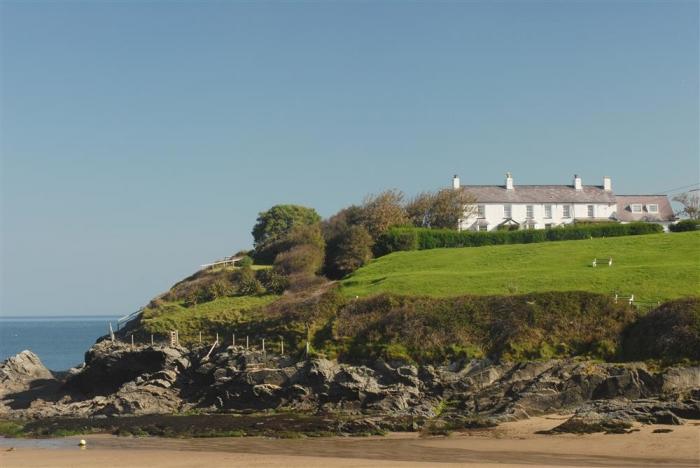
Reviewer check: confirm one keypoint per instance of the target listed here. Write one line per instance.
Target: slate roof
(624, 210)
(540, 194)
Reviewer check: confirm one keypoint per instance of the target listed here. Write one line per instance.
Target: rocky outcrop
(120, 380)
(619, 415)
(110, 365)
(19, 372)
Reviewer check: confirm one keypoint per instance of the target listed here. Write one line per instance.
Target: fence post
(246, 342)
(217, 337)
(263, 346)
(200, 337)
(132, 340)
(281, 345)
(307, 349)
(233, 336)
(151, 339)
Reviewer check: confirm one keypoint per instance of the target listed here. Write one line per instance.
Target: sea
(60, 342)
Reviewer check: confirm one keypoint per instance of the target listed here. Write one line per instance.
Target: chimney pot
(455, 182)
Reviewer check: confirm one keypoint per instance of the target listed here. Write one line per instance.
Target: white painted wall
(494, 214)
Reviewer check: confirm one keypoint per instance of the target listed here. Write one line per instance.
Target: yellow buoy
(82, 443)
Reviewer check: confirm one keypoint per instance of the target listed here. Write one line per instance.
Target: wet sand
(511, 444)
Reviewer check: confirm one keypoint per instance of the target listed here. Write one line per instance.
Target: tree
(442, 209)
(380, 212)
(353, 251)
(279, 220)
(691, 204)
(419, 208)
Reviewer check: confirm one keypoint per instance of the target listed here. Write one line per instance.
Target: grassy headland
(656, 267)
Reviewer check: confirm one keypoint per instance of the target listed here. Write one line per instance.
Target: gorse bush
(406, 238)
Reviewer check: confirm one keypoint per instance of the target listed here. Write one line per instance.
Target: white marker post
(281, 346)
(233, 339)
(246, 342)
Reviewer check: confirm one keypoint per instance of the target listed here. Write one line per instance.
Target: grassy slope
(191, 320)
(652, 267)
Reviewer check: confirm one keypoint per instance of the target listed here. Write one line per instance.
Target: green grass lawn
(654, 267)
(189, 321)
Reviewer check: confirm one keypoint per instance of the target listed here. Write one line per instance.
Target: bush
(670, 333)
(406, 238)
(244, 262)
(248, 284)
(301, 259)
(685, 225)
(273, 282)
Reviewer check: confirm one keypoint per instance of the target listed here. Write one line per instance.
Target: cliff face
(120, 380)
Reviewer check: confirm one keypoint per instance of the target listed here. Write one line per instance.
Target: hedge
(685, 225)
(409, 238)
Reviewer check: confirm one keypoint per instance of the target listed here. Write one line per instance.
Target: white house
(536, 206)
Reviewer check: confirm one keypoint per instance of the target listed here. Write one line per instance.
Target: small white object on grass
(595, 262)
(82, 443)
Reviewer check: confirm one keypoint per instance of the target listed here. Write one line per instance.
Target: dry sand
(511, 444)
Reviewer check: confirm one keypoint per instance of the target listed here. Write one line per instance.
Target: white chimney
(607, 184)
(455, 182)
(577, 182)
(509, 181)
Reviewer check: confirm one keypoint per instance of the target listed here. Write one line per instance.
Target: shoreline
(509, 444)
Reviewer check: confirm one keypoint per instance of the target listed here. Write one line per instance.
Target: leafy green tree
(279, 220)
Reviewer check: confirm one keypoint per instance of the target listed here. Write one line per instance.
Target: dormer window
(636, 208)
(653, 208)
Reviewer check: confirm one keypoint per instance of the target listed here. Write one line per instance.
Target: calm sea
(60, 342)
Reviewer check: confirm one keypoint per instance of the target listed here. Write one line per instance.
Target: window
(483, 227)
(530, 211)
(591, 211)
(567, 211)
(547, 211)
(548, 226)
(636, 208)
(481, 211)
(653, 208)
(507, 211)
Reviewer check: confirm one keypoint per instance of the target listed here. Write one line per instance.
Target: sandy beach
(511, 444)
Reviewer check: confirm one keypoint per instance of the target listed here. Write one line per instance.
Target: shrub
(273, 282)
(685, 225)
(244, 262)
(248, 284)
(301, 259)
(670, 333)
(406, 238)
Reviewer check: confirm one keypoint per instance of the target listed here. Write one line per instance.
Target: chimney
(607, 184)
(577, 182)
(509, 181)
(455, 182)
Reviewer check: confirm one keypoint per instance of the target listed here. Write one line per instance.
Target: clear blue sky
(140, 139)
